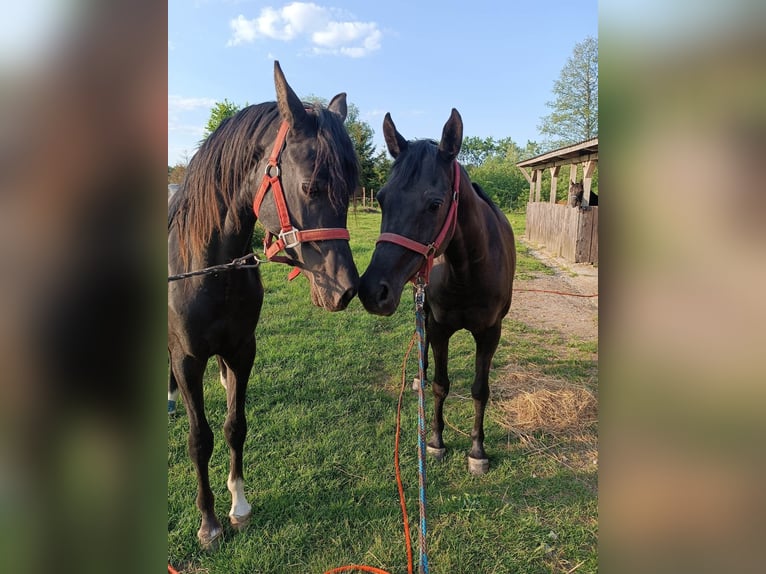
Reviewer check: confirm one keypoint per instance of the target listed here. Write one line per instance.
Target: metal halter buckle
(283, 235)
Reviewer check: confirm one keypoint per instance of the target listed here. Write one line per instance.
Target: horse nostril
(384, 293)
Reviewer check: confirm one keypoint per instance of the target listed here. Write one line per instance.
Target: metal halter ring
(268, 170)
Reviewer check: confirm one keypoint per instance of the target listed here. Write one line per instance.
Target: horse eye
(309, 189)
(434, 206)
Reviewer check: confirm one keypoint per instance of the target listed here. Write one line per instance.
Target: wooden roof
(575, 153)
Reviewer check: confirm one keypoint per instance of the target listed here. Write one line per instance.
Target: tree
(574, 115)
(176, 173)
(475, 150)
(219, 112)
(382, 168)
(361, 135)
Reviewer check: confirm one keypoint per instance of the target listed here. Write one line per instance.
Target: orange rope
(400, 487)
(556, 292)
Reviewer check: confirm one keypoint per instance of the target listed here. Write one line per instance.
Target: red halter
(429, 251)
(288, 236)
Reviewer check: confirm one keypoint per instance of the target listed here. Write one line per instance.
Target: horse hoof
(211, 539)
(171, 407)
(437, 453)
(239, 523)
(478, 466)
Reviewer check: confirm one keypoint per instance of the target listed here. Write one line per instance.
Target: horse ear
(395, 142)
(338, 106)
(290, 106)
(452, 137)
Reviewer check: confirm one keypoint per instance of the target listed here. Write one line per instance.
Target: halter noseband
(429, 251)
(288, 236)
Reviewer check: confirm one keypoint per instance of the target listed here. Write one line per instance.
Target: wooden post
(588, 168)
(573, 173)
(554, 181)
(532, 186)
(538, 183)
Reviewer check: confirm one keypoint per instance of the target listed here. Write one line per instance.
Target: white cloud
(181, 104)
(328, 30)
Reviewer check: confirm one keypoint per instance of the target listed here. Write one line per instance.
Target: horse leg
(486, 345)
(172, 392)
(238, 367)
(438, 338)
(190, 371)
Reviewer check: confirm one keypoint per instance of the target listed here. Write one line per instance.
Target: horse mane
(218, 170)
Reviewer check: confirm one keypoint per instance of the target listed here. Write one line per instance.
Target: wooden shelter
(571, 233)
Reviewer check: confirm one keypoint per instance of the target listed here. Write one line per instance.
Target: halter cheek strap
(288, 236)
(429, 250)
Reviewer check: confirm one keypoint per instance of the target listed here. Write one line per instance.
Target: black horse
(302, 200)
(473, 254)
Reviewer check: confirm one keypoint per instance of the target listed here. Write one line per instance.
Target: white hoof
(239, 523)
(416, 384)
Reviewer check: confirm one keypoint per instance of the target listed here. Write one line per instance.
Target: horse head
(317, 170)
(416, 202)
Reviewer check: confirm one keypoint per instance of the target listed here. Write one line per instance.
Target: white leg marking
(223, 380)
(173, 396)
(239, 505)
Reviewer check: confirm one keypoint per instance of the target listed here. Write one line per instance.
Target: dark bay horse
(473, 255)
(576, 194)
(302, 200)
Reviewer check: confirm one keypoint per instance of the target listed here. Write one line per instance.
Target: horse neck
(234, 238)
(469, 243)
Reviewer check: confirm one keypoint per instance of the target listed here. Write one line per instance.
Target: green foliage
(219, 112)
(574, 110)
(382, 168)
(361, 135)
(492, 164)
(502, 181)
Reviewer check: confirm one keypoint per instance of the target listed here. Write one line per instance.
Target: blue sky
(494, 61)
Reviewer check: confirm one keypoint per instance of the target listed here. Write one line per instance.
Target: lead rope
(420, 298)
(419, 334)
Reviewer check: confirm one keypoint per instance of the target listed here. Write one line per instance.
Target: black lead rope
(238, 263)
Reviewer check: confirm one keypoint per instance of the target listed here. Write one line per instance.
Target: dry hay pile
(527, 403)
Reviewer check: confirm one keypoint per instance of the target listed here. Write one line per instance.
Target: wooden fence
(564, 231)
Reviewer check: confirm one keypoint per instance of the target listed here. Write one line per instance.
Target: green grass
(318, 457)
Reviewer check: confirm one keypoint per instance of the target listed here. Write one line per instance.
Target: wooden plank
(594, 238)
(564, 231)
(583, 236)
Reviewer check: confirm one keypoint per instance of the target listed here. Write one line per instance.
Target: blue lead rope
(420, 296)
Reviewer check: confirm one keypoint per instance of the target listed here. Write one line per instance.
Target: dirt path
(571, 316)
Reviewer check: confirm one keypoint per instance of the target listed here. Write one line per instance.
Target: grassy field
(319, 452)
